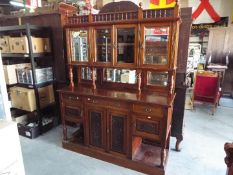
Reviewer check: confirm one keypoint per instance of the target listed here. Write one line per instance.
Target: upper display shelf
(168, 14)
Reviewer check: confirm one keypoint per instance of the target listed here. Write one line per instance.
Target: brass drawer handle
(73, 98)
(149, 117)
(148, 109)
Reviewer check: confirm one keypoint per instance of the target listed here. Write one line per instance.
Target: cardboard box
(4, 44)
(20, 44)
(46, 95)
(10, 72)
(24, 98)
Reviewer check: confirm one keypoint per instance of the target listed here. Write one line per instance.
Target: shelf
(18, 28)
(25, 55)
(148, 154)
(31, 85)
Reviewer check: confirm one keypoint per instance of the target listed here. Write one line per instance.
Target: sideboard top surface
(156, 98)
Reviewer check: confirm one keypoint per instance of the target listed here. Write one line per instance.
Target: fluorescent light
(20, 4)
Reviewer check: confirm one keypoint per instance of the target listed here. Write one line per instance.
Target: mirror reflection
(158, 78)
(156, 45)
(80, 45)
(103, 45)
(120, 76)
(125, 45)
(86, 73)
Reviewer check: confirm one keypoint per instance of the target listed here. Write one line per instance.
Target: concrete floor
(202, 150)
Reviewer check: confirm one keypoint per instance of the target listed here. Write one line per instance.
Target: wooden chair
(228, 147)
(206, 88)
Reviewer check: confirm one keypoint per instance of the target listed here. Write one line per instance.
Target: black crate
(29, 132)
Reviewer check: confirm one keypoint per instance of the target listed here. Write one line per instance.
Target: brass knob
(148, 110)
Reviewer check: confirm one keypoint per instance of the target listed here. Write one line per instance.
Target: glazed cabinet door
(125, 45)
(96, 119)
(78, 48)
(155, 45)
(117, 131)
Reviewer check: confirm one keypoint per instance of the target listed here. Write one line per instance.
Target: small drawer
(119, 104)
(148, 110)
(96, 101)
(147, 127)
(73, 113)
(71, 97)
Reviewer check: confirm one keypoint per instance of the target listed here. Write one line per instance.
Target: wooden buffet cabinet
(119, 104)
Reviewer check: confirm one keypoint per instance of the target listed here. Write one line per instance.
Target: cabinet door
(97, 127)
(125, 45)
(79, 45)
(103, 45)
(147, 126)
(117, 132)
(155, 45)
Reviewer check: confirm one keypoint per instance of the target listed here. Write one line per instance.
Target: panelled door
(117, 132)
(96, 125)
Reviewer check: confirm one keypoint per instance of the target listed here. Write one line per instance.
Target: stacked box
(42, 75)
(20, 45)
(10, 72)
(24, 98)
(4, 44)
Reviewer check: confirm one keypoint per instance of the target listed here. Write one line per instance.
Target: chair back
(206, 85)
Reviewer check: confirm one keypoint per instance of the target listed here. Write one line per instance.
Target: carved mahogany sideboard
(119, 104)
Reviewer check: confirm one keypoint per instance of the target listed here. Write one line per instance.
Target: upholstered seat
(206, 88)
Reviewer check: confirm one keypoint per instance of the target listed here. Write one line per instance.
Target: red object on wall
(205, 5)
(156, 2)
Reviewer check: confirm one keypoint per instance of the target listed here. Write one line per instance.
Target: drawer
(73, 113)
(71, 98)
(119, 105)
(148, 110)
(96, 101)
(147, 127)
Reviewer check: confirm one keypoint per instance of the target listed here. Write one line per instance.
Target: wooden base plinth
(136, 164)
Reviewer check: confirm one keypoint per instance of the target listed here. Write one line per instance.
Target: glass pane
(86, 73)
(125, 45)
(159, 79)
(120, 76)
(103, 45)
(79, 45)
(156, 45)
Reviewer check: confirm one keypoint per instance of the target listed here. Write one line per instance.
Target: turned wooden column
(93, 74)
(71, 76)
(139, 81)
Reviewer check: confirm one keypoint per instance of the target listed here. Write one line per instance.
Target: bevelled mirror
(86, 73)
(79, 45)
(157, 78)
(156, 45)
(120, 75)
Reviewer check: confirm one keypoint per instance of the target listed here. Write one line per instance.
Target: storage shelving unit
(32, 58)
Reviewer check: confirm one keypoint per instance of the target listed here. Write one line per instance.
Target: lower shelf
(143, 155)
(148, 154)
